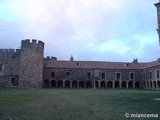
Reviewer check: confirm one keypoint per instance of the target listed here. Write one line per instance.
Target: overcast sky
(90, 30)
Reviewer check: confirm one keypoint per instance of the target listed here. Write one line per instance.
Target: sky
(90, 30)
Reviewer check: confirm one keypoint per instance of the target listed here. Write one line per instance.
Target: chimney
(71, 59)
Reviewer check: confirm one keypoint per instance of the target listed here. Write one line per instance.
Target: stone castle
(27, 68)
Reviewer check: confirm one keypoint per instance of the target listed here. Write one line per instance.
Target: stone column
(99, 84)
(113, 86)
(126, 84)
(63, 84)
(70, 84)
(77, 84)
(120, 84)
(84, 84)
(134, 84)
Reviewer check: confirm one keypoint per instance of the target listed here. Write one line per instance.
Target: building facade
(27, 68)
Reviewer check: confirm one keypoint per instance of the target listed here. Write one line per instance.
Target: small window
(14, 81)
(1, 67)
(88, 75)
(52, 74)
(103, 75)
(131, 75)
(68, 73)
(118, 76)
(150, 75)
(157, 73)
(144, 76)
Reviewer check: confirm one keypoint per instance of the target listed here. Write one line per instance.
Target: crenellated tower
(158, 18)
(31, 63)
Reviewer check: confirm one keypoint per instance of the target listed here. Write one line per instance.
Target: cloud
(87, 29)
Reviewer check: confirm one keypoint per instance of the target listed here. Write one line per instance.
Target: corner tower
(31, 64)
(158, 18)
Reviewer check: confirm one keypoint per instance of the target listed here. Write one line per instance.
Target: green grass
(76, 104)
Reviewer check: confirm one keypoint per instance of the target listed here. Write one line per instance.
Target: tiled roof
(99, 64)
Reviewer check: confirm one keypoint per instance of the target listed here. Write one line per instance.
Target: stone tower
(31, 64)
(158, 18)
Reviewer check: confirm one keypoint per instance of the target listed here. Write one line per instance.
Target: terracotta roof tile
(98, 64)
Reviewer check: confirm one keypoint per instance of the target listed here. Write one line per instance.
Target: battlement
(28, 42)
(9, 51)
(51, 58)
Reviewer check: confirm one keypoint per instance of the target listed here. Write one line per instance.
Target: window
(1, 67)
(103, 75)
(144, 76)
(118, 75)
(150, 75)
(14, 81)
(131, 75)
(68, 73)
(157, 73)
(88, 75)
(52, 74)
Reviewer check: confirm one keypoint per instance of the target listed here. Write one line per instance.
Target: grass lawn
(76, 104)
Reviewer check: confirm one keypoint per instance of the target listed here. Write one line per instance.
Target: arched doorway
(158, 84)
(96, 84)
(154, 84)
(46, 83)
(130, 85)
(88, 84)
(137, 85)
(81, 84)
(123, 84)
(53, 83)
(116, 84)
(67, 84)
(74, 84)
(60, 84)
(144, 84)
(147, 84)
(103, 84)
(110, 84)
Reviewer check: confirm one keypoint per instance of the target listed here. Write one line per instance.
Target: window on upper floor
(103, 75)
(157, 73)
(118, 75)
(1, 67)
(89, 75)
(131, 75)
(68, 73)
(150, 75)
(52, 74)
(144, 76)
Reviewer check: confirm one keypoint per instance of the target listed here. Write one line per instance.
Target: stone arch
(53, 83)
(130, 84)
(137, 84)
(158, 84)
(67, 84)
(81, 84)
(147, 84)
(144, 84)
(123, 84)
(96, 84)
(60, 84)
(74, 84)
(154, 84)
(46, 83)
(110, 84)
(88, 84)
(102, 84)
(116, 84)
(151, 84)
